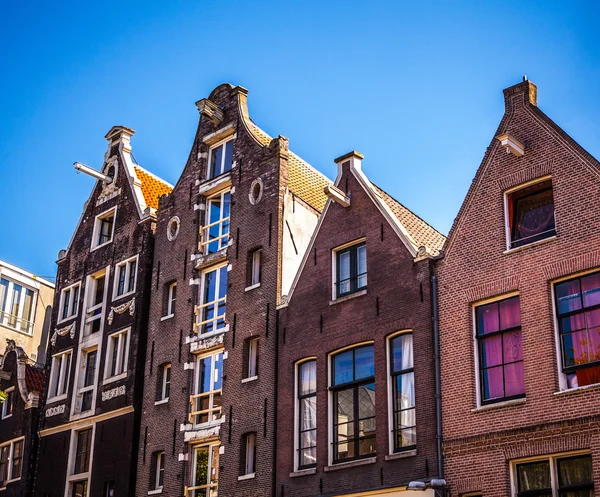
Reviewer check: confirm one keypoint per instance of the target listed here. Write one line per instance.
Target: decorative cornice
(61, 332)
(120, 309)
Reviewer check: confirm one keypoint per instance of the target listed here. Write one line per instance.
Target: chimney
(521, 93)
(350, 160)
(120, 135)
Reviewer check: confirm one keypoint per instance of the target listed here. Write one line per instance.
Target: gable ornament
(61, 332)
(121, 309)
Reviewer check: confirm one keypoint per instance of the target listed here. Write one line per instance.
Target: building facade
(229, 240)
(25, 310)
(519, 288)
(91, 415)
(356, 387)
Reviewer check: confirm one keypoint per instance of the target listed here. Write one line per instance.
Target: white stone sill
(499, 405)
(350, 464)
(248, 380)
(401, 455)
(348, 297)
(162, 401)
(529, 245)
(595, 386)
(246, 477)
(251, 287)
(155, 492)
(168, 316)
(303, 472)
(112, 379)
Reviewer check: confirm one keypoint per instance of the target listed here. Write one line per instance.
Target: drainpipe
(438, 389)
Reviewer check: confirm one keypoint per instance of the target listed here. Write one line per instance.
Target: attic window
(531, 214)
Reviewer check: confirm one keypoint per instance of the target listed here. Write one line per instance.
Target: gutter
(438, 389)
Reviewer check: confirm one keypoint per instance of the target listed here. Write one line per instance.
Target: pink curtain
(590, 288)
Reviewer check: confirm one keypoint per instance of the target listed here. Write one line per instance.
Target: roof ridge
(150, 173)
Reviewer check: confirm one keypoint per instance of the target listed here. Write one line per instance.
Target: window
(205, 472)
(500, 351)
(16, 306)
(59, 374)
(206, 401)
(215, 233)
(252, 354)
(171, 289)
(530, 214)
(351, 269)
(254, 268)
(559, 476)
(69, 302)
(7, 405)
(165, 382)
(11, 461)
(578, 315)
(79, 488)
(220, 159)
(125, 279)
(87, 380)
(95, 303)
(213, 295)
(248, 454)
(117, 353)
(403, 392)
(159, 475)
(353, 389)
(173, 228)
(83, 449)
(104, 228)
(307, 414)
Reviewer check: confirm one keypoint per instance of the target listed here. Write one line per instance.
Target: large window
(87, 379)
(555, 476)
(104, 228)
(220, 159)
(501, 372)
(353, 389)
(206, 401)
(578, 314)
(307, 414)
(531, 213)
(215, 233)
(117, 353)
(350, 269)
(95, 303)
(69, 302)
(213, 300)
(403, 392)
(205, 473)
(125, 278)
(83, 449)
(59, 374)
(11, 461)
(16, 306)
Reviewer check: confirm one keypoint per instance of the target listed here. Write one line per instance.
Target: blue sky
(415, 86)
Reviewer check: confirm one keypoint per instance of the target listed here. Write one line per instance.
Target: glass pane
(513, 348)
(218, 371)
(210, 286)
(361, 253)
(590, 289)
(572, 323)
(402, 352)
(344, 405)
(365, 362)
(228, 156)
(27, 308)
(308, 456)
(568, 296)
(491, 351)
(510, 313)
(308, 439)
(216, 156)
(406, 437)
(493, 385)
(344, 265)
(575, 471)
(205, 375)
(405, 391)
(366, 405)
(514, 379)
(214, 465)
(534, 215)
(201, 473)
(487, 318)
(343, 367)
(75, 301)
(3, 293)
(575, 348)
(223, 282)
(367, 445)
(308, 377)
(534, 476)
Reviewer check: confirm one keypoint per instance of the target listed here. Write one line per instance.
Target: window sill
(155, 492)
(66, 320)
(168, 316)
(401, 455)
(532, 244)
(6, 417)
(348, 297)
(499, 405)
(162, 401)
(208, 186)
(251, 378)
(15, 330)
(303, 472)
(58, 398)
(119, 297)
(350, 464)
(13, 480)
(594, 386)
(112, 379)
(246, 477)
(220, 331)
(100, 246)
(251, 287)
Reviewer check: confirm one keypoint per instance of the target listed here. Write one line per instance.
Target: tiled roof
(421, 232)
(304, 180)
(152, 186)
(34, 378)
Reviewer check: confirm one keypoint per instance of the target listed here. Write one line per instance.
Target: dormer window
(104, 228)
(350, 269)
(220, 159)
(530, 213)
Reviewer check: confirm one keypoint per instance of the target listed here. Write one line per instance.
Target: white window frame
(98, 223)
(209, 223)
(249, 456)
(170, 301)
(297, 411)
(199, 323)
(4, 314)
(211, 490)
(73, 478)
(9, 461)
(334, 252)
(222, 143)
(88, 310)
(255, 269)
(552, 458)
(252, 359)
(122, 337)
(63, 293)
(210, 394)
(160, 459)
(163, 384)
(11, 395)
(127, 264)
(59, 377)
(80, 380)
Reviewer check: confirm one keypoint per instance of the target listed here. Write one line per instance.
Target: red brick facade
(483, 441)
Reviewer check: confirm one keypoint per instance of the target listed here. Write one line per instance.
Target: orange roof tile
(152, 186)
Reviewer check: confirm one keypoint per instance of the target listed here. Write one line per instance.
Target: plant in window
(206, 472)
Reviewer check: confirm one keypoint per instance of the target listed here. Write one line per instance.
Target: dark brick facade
(481, 443)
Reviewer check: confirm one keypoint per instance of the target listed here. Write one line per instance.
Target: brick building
(356, 386)
(519, 289)
(23, 384)
(90, 421)
(229, 240)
